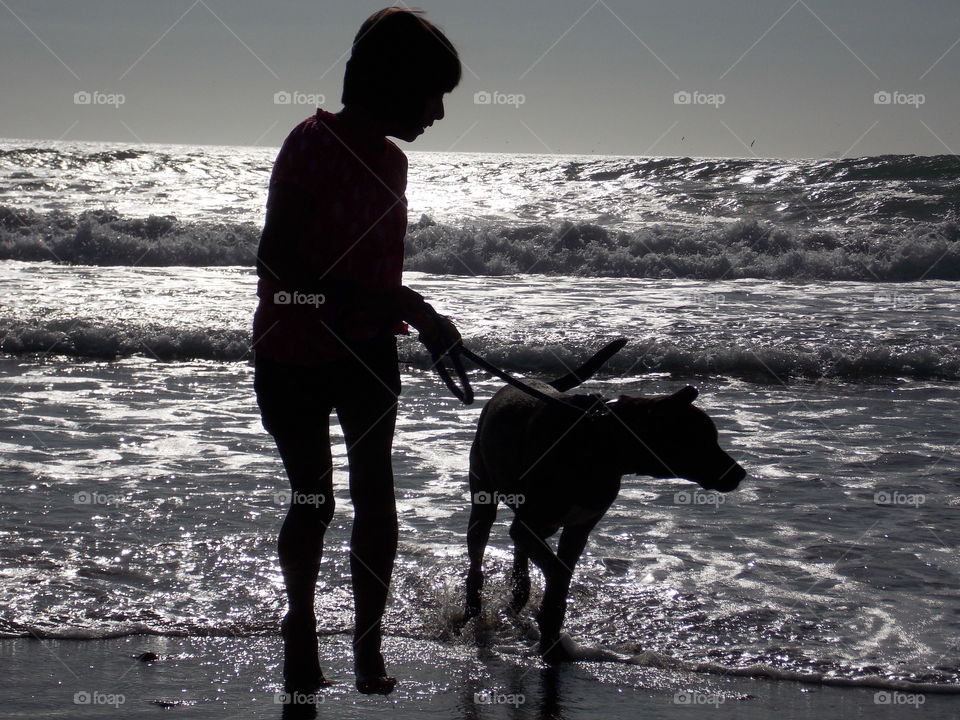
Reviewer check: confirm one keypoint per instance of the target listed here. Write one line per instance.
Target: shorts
(296, 399)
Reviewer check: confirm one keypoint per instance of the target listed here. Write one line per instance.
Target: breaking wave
(742, 249)
(82, 339)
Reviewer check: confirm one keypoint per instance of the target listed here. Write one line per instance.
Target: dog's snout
(727, 479)
(731, 478)
(735, 475)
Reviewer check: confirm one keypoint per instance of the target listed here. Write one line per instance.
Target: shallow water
(210, 677)
(142, 496)
(741, 328)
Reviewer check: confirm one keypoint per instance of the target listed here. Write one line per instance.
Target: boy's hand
(439, 334)
(437, 331)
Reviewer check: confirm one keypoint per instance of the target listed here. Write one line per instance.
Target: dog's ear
(684, 396)
(630, 407)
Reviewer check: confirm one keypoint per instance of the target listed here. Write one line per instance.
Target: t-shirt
(350, 236)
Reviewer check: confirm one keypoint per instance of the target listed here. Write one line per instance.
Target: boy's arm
(283, 256)
(436, 331)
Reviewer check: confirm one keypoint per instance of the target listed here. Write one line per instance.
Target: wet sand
(238, 678)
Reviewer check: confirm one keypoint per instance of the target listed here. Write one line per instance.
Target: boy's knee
(315, 509)
(325, 513)
(371, 462)
(383, 518)
(517, 532)
(371, 487)
(309, 476)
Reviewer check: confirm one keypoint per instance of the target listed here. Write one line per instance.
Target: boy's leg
(307, 460)
(295, 412)
(367, 416)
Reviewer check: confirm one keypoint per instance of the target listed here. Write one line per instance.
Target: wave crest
(102, 237)
(744, 249)
(83, 339)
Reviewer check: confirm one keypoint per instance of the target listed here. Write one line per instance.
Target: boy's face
(411, 128)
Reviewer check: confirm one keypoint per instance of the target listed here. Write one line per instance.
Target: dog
(562, 469)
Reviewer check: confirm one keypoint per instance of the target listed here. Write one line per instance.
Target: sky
(744, 78)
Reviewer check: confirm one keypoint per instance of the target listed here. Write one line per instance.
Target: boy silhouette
(331, 302)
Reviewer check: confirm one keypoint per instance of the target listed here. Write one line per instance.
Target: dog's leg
(558, 572)
(553, 609)
(483, 511)
(481, 520)
(534, 544)
(519, 579)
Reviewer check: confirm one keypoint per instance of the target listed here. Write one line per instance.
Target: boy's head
(400, 67)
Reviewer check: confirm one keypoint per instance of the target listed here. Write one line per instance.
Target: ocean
(814, 303)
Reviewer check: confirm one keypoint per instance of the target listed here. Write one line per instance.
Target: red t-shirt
(352, 233)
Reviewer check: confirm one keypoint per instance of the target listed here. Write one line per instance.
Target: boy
(330, 304)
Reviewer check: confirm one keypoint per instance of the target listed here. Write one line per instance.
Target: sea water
(813, 302)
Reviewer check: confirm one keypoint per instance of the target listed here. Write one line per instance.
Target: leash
(465, 393)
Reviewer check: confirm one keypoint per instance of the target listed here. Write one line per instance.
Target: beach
(236, 677)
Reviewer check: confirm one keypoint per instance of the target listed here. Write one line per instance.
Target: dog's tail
(582, 373)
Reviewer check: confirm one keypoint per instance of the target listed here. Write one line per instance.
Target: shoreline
(194, 677)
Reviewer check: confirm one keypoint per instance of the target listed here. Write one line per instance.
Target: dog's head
(668, 437)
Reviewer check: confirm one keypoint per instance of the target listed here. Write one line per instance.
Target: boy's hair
(399, 59)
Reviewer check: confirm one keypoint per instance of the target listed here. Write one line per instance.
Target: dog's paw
(459, 619)
(527, 628)
(559, 650)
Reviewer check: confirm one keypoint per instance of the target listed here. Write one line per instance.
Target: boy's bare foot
(372, 678)
(301, 665)
(380, 685)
